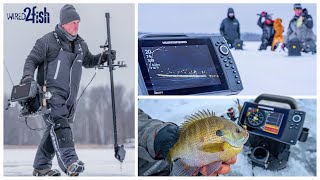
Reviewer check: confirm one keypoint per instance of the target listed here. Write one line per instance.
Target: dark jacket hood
(230, 10)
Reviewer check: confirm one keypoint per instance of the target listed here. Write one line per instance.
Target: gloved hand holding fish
(205, 140)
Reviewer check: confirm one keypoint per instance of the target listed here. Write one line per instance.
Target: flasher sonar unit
(280, 124)
(24, 91)
(274, 123)
(178, 64)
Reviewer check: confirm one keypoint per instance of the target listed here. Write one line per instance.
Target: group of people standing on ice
(299, 29)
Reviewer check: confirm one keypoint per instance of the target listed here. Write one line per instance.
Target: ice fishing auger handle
(276, 98)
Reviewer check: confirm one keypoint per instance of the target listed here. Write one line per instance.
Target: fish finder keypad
(294, 126)
(296, 120)
(224, 49)
(229, 66)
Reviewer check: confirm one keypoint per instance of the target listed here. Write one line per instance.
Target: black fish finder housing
(178, 64)
(272, 129)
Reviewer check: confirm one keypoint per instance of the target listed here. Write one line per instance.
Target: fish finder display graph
(179, 67)
(267, 121)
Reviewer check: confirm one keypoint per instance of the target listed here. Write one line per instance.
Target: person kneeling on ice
(300, 28)
(64, 52)
(204, 145)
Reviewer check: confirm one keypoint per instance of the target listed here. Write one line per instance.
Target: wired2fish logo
(31, 15)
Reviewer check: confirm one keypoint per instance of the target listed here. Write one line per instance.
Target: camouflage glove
(165, 140)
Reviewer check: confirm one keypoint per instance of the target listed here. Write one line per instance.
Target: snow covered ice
(98, 162)
(302, 160)
(275, 72)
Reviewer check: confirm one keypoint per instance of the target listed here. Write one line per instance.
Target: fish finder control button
(224, 49)
(296, 118)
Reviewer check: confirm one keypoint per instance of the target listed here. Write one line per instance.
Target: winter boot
(263, 46)
(46, 172)
(75, 168)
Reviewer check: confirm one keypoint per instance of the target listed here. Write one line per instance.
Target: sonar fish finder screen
(179, 67)
(265, 120)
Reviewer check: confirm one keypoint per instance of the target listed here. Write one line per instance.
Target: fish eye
(219, 133)
(237, 130)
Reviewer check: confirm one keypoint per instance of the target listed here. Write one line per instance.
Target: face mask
(297, 12)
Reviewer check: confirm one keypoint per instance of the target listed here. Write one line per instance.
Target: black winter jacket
(47, 47)
(230, 29)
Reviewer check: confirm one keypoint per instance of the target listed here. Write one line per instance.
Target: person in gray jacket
(230, 28)
(300, 26)
(64, 52)
(155, 139)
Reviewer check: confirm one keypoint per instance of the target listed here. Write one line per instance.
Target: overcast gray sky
(206, 18)
(20, 36)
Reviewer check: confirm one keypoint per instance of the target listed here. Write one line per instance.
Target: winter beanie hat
(68, 13)
(297, 6)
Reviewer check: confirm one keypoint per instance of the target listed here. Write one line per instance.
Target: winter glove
(304, 12)
(263, 14)
(165, 140)
(105, 55)
(26, 79)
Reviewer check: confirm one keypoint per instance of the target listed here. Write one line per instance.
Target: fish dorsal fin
(196, 117)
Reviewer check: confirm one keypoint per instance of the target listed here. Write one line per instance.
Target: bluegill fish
(205, 140)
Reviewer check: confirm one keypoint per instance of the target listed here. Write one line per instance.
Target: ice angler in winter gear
(59, 57)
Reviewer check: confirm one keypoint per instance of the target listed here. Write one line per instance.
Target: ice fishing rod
(119, 150)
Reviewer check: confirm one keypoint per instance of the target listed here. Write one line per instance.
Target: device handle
(276, 98)
(163, 35)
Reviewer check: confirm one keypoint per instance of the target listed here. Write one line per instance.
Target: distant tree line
(246, 36)
(93, 121)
